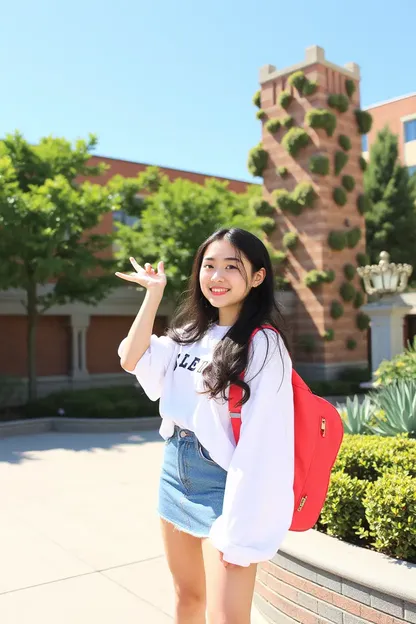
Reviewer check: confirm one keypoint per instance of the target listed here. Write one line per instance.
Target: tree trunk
(32, 318)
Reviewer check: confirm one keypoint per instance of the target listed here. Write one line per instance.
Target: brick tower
(313, 176)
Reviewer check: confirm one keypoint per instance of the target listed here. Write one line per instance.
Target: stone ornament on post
(385, 277)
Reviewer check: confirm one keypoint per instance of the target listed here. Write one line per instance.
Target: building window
(412, 170)
(364, 143)
(410, 130)
(120, 216)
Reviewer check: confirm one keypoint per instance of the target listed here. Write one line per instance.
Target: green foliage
(340, 160)
(338, 101)
(273, 125)
(390, 507)
(257, 99)
(290, 240)
(307, 343)
(362, 163)
(315, 278)
(344, 142)
(348, 182)
(304, 194)
(269, 225)
(351, 344)
(330, 276)
(391, 220)
(339, 196)
(337, 310)
(47, 220)
(343, 514)
(319, 164)
(400, 367)
(329, 335)
(310, 88)
(347, 291)
(350, 87)
(298, 80)
(282, 172)
(358, 299)
(285, 202)
(285, 99)
(362, 259)
(261, 207)
(337, 240)
(363, 203)
(356, 415)
(105, 402)
(364, 121)
(287, 121)
(353, 237)
(257, 160)
(321, 119)
(277, 257)
(349, 271)
(294, 140)
(363, 321)
(395, 406)
(261, 114)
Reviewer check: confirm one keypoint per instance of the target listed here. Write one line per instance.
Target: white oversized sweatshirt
(258, 500)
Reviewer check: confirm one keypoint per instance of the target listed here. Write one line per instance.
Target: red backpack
(318, 437)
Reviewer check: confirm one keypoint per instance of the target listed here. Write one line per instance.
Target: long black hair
(196, 315)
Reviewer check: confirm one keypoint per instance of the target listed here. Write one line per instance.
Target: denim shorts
(192, 485)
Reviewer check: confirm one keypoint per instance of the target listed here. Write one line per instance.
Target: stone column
(79, 326)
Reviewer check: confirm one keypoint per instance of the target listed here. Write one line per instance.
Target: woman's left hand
(226, 564)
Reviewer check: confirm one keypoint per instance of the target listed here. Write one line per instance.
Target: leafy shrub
(338, 101)
(356, 415)
(321, 119)
(282, 172)
(257, 99)
(339, 196)
(298, 80)
(112, 402)
(400, 367)
(329, 335)
(273, 125)
(363, 321)
(396, 408)
(337, 240)
(290, 240)
(347, 291)
(340, 160)
(390, 508)
(358, 299)
(319, 164)
(330, 275)
(304, 194)
(344, 142)
(310, 88)
(364, 121)
(350, 87)
(351, 344)
(343, 514)
(362, 259)
(353, 237)
(261, 114)
(285, 99)
(349, 271)
(362, 163)
(363, 203)
(294, 140)
(269, 225)
(337, 310)
(287, 121)
(261, 207)
(257, 160)
(348, 182)
(285, 202)
(315, 278)
(277, 257)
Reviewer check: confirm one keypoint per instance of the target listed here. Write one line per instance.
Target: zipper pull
(323, 427)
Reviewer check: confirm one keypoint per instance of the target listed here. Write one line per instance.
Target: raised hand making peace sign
(147, 276)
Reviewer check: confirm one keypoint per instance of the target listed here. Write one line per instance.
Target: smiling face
(226, 277)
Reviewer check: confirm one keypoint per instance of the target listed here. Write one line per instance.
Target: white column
(387, 317)
(79, 326)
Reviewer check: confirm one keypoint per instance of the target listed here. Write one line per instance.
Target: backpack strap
(236, 394)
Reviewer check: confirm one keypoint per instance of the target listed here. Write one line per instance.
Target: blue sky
(170, 82)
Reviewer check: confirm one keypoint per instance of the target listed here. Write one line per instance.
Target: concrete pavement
(79, 534)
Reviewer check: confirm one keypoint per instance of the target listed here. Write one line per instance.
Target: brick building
(399, 115)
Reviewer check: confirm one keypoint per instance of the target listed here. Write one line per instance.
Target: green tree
(391, 221)
(50, 247)
(178, 216)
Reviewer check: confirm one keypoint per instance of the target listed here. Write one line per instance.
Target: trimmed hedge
(294, 140)
(347, 291)
(285, 202)
(287, 122)
(261, 114)
(363, 203)
(349, 271)
(329, 335)
(315, 278)
(337, 240)
(283, 172)
(319, 164)
(273, 125)
(302, 84)
(257, 99)
(304, 194)
(339, 196)
(351, 344)
(358, 299)
(257, 160)
(261, 207)
(344, 142)
(338, 101)
(340, 160)
(363, 321)
(362, 163)
(353, 237)
(348, 183)
(285, 99)
(350, 87)
(364, 121)
(362, 259)
(321, 119)
(310, 88)
(337, 310)
(290, 240)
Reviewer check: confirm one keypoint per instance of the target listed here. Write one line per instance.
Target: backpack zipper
(302, 502)
(323, 427)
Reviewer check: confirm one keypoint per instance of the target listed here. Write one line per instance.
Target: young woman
(223, 507)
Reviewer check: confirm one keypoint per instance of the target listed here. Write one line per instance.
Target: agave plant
(356, 415)
(397, 402)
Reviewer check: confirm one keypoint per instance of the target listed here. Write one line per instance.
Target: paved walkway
(79, 535)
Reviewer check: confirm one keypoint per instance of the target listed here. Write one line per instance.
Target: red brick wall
(390, 114)
(52, 345)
